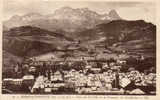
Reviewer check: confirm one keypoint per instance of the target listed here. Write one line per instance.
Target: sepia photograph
(78, 48)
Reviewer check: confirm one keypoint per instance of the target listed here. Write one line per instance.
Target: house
(45, 57)
(88, 66)
(105, 66)
(17, 81)
(124, 82)
(28, 77)
(32, 69)
(98, 83)
(112, 64)
(108, 86)
(47, 90)
(96, 70)
(7, 82)
(116, 67)
(47, 84)
(58, 85)
(28, 80)
(121, 61)
(94, 88)
(57, 76)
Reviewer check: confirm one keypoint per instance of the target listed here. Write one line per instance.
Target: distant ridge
(29, 41)
(66, 18)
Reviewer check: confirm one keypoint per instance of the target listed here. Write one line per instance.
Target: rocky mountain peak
(15, 17)
(66, 18)
(113, 14)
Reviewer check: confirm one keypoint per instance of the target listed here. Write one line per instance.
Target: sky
(127, 10)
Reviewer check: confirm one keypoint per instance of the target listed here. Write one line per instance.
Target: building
(57, 76)
(7, 82)
(45, 57)
(96, 70)
(17, 81)
(28, 82)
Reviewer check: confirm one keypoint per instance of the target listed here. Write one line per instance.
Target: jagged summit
(114, 15)
(65, 18)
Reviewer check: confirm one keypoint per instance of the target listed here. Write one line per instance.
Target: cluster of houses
(107, 79)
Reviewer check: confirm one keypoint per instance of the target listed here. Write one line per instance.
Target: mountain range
(133, 36)
(120, 31)
(34, 34)
(29, 38)
(66, 18)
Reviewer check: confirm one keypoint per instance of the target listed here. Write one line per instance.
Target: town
(86, 75)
